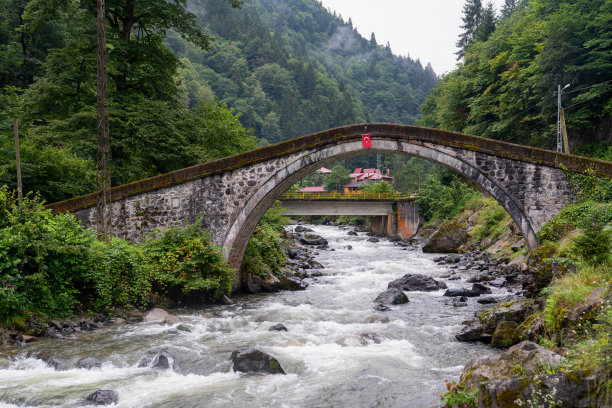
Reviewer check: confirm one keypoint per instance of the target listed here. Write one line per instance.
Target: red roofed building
(361, 177)
(318, 189)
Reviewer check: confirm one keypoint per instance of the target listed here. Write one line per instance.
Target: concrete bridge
(232, 194)
(394, 215)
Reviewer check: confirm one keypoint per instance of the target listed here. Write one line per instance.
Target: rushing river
(328, 361)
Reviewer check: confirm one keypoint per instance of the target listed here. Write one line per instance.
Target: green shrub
(119, 275)
(580, 215)
(264, 253)
(492, 221)
(595, 245)
(186, 266)
(44, 256)
(438, 201)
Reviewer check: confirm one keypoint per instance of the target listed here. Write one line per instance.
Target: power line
(588, 87)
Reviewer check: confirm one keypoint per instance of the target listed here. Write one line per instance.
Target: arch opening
(244, 224)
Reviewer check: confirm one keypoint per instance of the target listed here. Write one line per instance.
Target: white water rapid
(337, 352)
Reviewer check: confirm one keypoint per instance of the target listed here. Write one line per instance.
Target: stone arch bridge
(232, 194)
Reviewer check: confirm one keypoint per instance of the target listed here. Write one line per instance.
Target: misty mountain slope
(292, 68)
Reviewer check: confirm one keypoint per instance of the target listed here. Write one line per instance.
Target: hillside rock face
(448, 238)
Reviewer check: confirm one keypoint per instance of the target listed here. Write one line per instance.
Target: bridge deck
(358, 196)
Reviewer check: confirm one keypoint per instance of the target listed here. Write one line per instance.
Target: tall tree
(486, 25)
(508, 8)
(472, 11)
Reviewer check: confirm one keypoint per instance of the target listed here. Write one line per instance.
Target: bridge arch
(245, 223)
(231, 194)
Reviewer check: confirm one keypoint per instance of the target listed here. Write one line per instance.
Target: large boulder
(160, 315)
(416, 282)
(448, 238)
(505, 335)
(89, 363)
(392, 296)
(301, 228)
(564, 390)
(529, 357)
(162, 359)
(515, 310)
(253, 361)
(541, 270)
(103, 397)
(313, 239)
(292, 283)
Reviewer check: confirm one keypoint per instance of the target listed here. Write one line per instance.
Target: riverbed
(338, 351)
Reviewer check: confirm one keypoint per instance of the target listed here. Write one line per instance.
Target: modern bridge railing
(349, 196)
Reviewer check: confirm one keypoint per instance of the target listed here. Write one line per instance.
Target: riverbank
(556, 334)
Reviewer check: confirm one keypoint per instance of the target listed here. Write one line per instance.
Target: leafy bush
(492, 221)
(186, 266)
(440, 201)
(264, 253)
(42, 255)
(458, 396)
(119, 275)
(595, 245)
(580, 215)
(381, 187)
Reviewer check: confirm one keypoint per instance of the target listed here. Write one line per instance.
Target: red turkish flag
(366, 141)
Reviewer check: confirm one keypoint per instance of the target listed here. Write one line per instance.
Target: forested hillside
(505, 86)
(292, 68)
(189, 81)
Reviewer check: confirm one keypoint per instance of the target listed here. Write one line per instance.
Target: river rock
(89, 363)
(515, 310)
(392, 296)
(312, 239)
(292, 283)
(448, 238)
(103, 397)
(472, 331)
(381, 308)
(564, 390)
(253, 361)
(301, 228)
(184, 328)
(160, 315)
(5, 363)
(157, 359)
(378, 319)
(505, 335)
(489, 300)
(352, 233)
(278, 327)
(417, 282)
(461, 292)
(373, 337)
(481, 289)
(373, 239)
(529, 356)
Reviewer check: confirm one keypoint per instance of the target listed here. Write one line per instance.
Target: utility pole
(18, 160)
(559, 131)
(103, 159)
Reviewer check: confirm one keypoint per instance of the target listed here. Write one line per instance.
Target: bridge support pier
(402, 224)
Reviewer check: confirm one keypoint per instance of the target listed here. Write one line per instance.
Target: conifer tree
(508, 8)
(486, 25)
(472, 12)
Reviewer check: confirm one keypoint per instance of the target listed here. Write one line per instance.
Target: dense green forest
(188, 82)
(504, 87)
